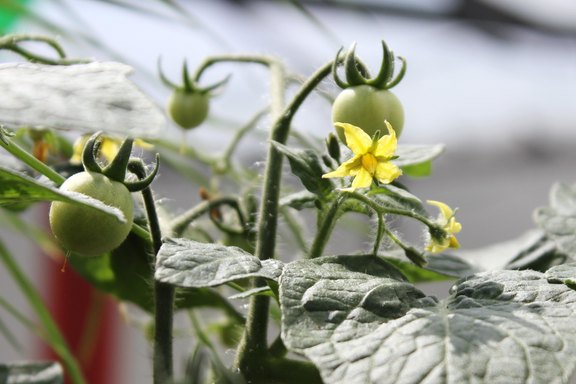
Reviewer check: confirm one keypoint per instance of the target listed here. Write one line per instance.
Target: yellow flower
(371, 157)
(449, 225)
(108, 148)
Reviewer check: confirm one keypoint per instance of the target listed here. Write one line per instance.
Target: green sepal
(135, 186)
(116, 170)
(89, 154)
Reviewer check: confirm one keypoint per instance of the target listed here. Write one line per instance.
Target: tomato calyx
(189, 104)
(116, 169)
(356, 72)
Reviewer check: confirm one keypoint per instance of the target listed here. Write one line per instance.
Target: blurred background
(493, 80)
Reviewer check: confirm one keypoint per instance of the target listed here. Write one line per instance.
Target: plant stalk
(253, 346)
(163, 293)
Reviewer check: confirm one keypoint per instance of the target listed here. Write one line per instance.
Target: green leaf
(36, 372)
(411, 155)
(85, 97)
(361, 325)
(306, 165)
(559, 219)
(418, 170)
(191, 264)
(17, 188)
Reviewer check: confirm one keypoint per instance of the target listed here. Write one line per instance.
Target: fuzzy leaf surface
(17, 188)
(361, 325)
(191, 264)
(83, 97)
(559, 219)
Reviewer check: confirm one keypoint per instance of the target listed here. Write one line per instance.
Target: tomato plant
(84, 230)
(367, 107)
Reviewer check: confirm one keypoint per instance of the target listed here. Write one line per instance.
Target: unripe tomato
(188, 109)
(367, 107)
(85, 230)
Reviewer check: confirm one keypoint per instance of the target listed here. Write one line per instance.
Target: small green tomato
(367, 107)
(188, 109)
(84, 230)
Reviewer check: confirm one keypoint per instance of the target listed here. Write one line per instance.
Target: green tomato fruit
(188, 109)
(367, 107)
(87, 231)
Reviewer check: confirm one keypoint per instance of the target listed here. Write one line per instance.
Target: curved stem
(163, 293)
(180, 223)
(226, 158)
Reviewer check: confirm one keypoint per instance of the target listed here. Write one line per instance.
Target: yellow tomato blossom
(371, 157)
(108, 148)
(449, 225)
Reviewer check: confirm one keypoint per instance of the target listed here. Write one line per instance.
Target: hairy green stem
(163, 293)
(252, 347)
(324, 231)
(380, 233)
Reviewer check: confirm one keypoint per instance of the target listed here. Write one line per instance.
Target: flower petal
(386, 172)
(445, 210)
(362, 180)
(347, 168)
(356, 139)
(387, 144)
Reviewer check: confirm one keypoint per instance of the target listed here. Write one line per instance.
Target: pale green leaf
(409, 155)
(559, 219)
(84, 97)
(191, 264)
(361, 325)
(17, 188)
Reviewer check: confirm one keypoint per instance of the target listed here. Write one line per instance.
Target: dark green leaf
(410, 155)
(31, 373)
(306, 165)
(191, 264)
(361, 325)
(559, 219)
(85, 97)
(17, 188)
